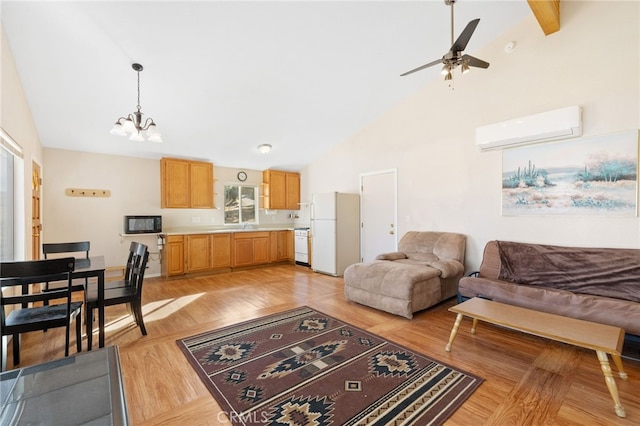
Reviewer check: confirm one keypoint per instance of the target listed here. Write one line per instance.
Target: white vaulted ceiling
(222, 77)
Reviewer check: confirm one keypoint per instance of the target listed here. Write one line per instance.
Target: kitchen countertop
(226, 230)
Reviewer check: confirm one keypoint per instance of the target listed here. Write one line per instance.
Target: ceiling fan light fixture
(455, 57)
(264, 148)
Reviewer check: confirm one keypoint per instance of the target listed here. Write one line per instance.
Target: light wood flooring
(528, 380)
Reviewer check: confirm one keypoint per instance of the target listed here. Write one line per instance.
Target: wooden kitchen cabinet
(196, 253)
(186, 184)
(199, 257)
(251, 248)
(221, 249)
(281, 190)
(292, 189)
(173, 256)
(281, 248)
(290, 256)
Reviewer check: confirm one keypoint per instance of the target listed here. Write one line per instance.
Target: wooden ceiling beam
(547, 12)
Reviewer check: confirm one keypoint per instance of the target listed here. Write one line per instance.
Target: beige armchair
(423, 272)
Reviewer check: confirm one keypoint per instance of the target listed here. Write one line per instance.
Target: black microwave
(142, 224)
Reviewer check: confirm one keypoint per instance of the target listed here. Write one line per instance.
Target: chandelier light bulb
(136, 136)
(128, 126)
(118, 130)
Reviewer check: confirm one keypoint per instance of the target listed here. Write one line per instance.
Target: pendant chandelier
(132, 124)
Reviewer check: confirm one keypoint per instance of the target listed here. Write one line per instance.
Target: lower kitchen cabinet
(221, 257)
(251, 248)
(282, 246)
(173, 256)
(198, 253)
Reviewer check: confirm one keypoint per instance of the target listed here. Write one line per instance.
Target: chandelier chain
(132, 124)
(139, 107)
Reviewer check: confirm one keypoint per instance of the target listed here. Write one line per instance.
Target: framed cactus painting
(595, 175)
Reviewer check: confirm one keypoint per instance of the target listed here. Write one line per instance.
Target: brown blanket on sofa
(597, 271)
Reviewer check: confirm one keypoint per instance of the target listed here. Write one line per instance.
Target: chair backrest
(136, 252)
(67, 248)
(140, 265)
(431, 245)
(22, 274)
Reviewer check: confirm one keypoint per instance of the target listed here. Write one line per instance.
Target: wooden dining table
(94, 266)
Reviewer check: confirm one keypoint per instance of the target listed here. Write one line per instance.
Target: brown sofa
(424, 271)
(594, 284)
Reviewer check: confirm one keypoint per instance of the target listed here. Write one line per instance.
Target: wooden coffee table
(604, 339)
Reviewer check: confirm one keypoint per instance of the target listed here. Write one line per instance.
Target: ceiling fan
(455, 57)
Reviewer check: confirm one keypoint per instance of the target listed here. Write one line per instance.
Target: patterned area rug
(302, 367)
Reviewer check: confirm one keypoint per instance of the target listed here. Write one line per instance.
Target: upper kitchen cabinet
(186, 184)
(281, 190)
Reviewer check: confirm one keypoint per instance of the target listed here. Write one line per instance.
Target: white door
(378, 214)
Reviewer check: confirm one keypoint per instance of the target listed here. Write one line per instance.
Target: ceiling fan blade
(474, 62)
(461, 43)
(430, 64)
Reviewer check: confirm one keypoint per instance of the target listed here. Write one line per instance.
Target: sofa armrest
(392, 256)
(448, 267)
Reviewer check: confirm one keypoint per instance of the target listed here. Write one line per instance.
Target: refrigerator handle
(312, 217)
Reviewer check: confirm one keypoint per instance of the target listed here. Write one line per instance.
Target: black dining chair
(127, 292)
(28, 310)
(135, 250)
(64, 250)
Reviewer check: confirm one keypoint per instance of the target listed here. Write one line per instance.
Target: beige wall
(16, 120)
(134, 184)
(446, 184)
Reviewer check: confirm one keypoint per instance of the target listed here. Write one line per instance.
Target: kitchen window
(240, 204)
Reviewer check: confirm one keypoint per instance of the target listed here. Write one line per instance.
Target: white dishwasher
(301, 246)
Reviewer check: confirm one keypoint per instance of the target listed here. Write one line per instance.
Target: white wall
(135, 190)
(446, 184)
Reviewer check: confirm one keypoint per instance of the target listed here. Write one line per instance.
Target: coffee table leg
(618, 361)
(454, 331)
(473, 326)
(611, 383)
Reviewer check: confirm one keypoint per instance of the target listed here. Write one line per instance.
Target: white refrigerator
(335, 232)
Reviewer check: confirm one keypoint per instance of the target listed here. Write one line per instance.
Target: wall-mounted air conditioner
(547, 126)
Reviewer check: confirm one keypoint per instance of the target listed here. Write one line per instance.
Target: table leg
(101, 309)
(474, 325)
(611, 383)
(454, 331)
(618, 361)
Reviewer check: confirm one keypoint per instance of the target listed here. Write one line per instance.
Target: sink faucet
(247, 225)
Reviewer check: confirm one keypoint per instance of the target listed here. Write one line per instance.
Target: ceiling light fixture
(264, 148)
(132, 124)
